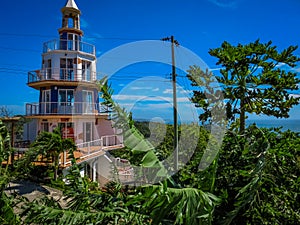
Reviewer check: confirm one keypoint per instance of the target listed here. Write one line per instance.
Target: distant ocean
(293, 125)
(286, 124)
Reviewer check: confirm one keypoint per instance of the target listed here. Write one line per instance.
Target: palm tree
(51, 144)
(7, 215)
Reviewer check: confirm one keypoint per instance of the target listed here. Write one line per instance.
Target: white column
(94, 178)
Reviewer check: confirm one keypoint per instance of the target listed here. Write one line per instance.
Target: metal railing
(70, 45)
(62, 74)
(90, 147)
(65, 108)
(94, 148)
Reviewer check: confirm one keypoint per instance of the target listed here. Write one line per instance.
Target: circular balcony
(69, 45)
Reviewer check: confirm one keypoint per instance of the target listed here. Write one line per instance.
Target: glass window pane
(62, 96)
(70, 96)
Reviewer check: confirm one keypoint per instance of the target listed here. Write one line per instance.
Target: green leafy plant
(51, 145)
(252, 81)
(7, 203)
(258, 178)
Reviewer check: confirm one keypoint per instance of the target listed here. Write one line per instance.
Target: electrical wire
(20, 49)
(85, 37)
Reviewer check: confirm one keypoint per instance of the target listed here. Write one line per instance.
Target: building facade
(68, 93)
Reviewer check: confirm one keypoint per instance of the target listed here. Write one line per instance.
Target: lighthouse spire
(71, 18)
(71, 4)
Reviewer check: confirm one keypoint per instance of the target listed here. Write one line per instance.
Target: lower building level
(81, 128)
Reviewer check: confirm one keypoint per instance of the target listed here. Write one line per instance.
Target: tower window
(87, 97)
(66, 97)
(48, 69)
(65, 101)
(45, 105)
(70, 22)
(86, 70)
(66, 69)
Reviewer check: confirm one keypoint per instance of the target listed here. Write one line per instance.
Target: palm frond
(133, 138)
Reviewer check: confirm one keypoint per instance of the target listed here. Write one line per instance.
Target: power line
(117, 76)
(19, 49)
(86, 37)
(3, 65)
(24, 35)
(2, 69)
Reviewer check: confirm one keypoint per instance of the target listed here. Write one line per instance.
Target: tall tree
(7, 214)
(256, 78)
(52, 144)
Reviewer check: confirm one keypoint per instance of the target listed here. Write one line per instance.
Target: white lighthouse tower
(68, 93)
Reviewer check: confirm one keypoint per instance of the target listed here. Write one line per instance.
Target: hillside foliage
(253, 179)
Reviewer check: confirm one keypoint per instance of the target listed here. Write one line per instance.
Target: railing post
(101, 143)
(89, 148)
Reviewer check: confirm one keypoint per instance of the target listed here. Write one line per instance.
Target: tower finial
(71, 4)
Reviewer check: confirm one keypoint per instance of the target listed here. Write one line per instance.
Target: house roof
(71, 4)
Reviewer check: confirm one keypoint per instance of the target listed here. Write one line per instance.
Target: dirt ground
(31, 190)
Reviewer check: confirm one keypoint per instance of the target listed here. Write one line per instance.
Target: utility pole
(175, 142)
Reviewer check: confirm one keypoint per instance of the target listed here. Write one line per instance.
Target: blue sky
(198, 25)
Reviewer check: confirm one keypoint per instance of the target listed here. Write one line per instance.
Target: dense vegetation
(254, 178)
(256, 175)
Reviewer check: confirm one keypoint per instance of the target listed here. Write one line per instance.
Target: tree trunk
(55, 173)
(242, 117)
(242, 109)
(56, 161)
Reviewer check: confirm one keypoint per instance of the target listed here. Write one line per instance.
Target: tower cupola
(70, 19)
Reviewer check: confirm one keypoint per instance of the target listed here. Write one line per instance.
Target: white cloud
(145, 107)
(186, 92)
(295, 95)
(97, 35)
(186, 111)
(280, 64)
(83, 23)
(160, 106)
(98, 53)
(168, 91)
(144, 88)
(138, 98)
(93, 37)
(141, 88)
(297, 69)
(183, 99)
(181, 91)
(215, 69)
(225, 3)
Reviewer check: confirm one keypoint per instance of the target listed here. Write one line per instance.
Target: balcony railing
(62, 74)
(70, 45)
(94, 148)
(64, 108)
